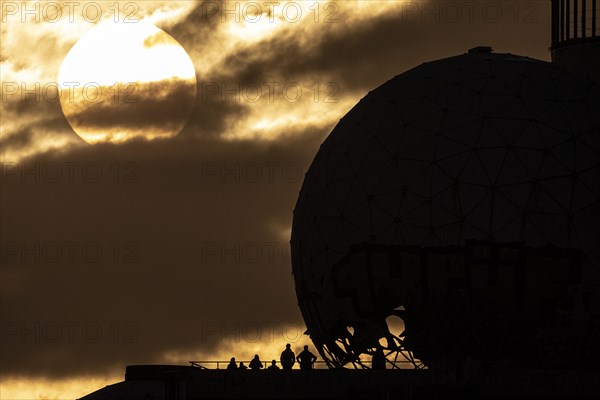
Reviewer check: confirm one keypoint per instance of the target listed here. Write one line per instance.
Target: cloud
(18, 140)
(159, 39)
(178, 222)
(376, 49)
(33, 125)
(192, 234)
(386, 38)
(158, 105)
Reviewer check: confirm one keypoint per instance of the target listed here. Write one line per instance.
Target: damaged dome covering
(455, 211)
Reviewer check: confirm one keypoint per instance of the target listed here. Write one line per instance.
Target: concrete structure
(168, 382)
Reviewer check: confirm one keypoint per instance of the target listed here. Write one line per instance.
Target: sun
(124, 81)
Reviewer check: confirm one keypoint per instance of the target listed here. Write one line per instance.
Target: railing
(266, 364)
(574, 21)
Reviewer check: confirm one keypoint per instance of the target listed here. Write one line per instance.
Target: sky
(174, 245)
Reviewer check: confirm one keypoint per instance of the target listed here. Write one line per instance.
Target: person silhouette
(288, 358)
(242, 366)
(273, 365)
(378, 359)
(232, 364)
(256, 364)
(306, 359)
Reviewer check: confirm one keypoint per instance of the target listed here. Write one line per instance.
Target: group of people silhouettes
(306, 359)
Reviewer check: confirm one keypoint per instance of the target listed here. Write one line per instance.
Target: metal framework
(456, 308)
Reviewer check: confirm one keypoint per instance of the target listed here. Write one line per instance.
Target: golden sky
(210, 177)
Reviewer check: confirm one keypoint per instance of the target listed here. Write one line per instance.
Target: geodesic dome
(478, 153)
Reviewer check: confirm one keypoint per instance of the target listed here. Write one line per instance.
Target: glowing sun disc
(123, 81)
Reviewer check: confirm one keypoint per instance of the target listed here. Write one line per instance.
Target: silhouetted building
(477, 172)
(576, 37)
